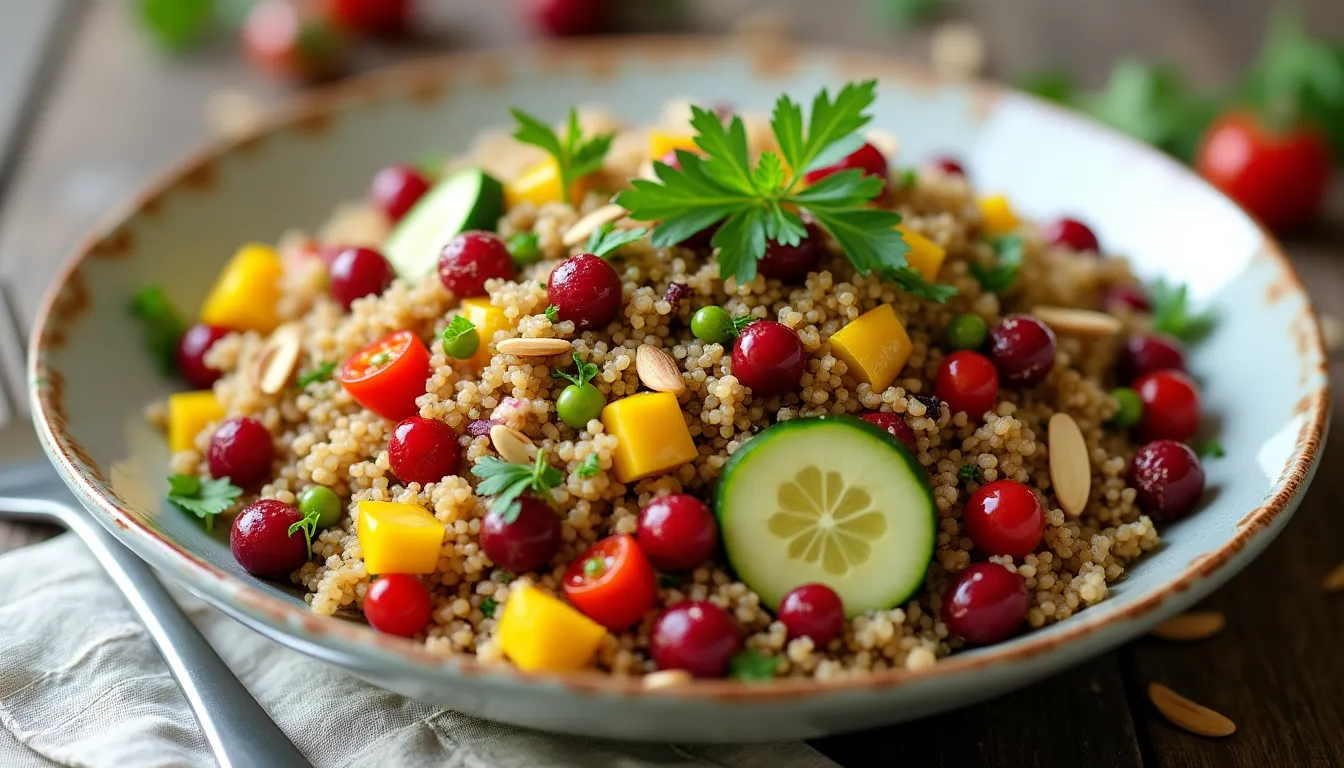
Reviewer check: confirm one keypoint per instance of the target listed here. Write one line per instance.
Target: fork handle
(240, 732)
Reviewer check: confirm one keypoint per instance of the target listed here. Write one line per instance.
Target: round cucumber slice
(830, 500)
(469, 199)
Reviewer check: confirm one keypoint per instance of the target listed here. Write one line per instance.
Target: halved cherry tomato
(388, 375)
(612, 583)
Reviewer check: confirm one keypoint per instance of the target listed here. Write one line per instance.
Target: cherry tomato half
(612, 583)
(388, 375)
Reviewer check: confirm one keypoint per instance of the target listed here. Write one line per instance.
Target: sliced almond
(279, 358)
(1185, 713)
(657, 370)
(1079, 322)
(666, 678)
(1334, 580)
(533, 347)
(510, 444)
(1070, 469)
(589, 224)
(1195, 625)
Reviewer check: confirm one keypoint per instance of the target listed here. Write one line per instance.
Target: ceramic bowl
(1263, 368)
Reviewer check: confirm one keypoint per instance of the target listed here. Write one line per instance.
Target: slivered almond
(667, 678)
(591, 223)
(510, 444)
(1070, 469)
(279, 358)
(533, 347)
(1334, 580)
(1195, 718)
(1195, 625)
(1079, 322)
(658, 370)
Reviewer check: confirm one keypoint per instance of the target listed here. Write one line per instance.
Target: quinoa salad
(723, 395)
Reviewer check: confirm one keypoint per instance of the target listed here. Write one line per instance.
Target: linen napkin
(81, 684)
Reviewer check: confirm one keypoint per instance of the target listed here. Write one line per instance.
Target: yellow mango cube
(652, 433)
(487, 318)
(660, 143)
(925, 256)
(398, 538)
(540, 184)
(874, 345)
(246, 293)
(997, 216)
(539, 633)
(188, 414)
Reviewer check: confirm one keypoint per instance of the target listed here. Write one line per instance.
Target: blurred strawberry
(564, 18)
(292, 43)
(373, 18)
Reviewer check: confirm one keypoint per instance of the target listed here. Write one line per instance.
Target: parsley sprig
(309, 527)
(320, 373)
(755, 204)
(607, 239)
(1173, 315)
(576, 155)
(552, 313)
(163, 326)
(751, 665)
(1009, 250)
(506, 482)
(203, 498)
(583, 373)
(591, 465)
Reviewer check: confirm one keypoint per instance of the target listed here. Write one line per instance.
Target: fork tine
(13, 378)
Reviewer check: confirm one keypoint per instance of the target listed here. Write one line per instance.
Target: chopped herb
(1211, 449)
(1172, 314)
(592, 464)
(320, 373)
(576, 155)
(741, 322)
(751, 665)
(669, 580)
(584, 372)
(909, 178)
(593, 567)
(525, 248)
(308, 525)
(607, 239)
(966, 473)
(203, 498)
(460, 338)
(488, 607)
(380, 359)
(1001, 276)
(506, 482)
(163, 325)
(506, 578)
(552, 313)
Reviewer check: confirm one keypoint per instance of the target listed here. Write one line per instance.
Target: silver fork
(239, 731)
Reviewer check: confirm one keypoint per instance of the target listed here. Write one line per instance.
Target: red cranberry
(470, 259)
(815, 611)
(1072, 234)
(396, 189)
(359, 272)
(867, 158)
(677, 532)
(1004, 518)
(1125, 297)
(1170, 406)
(565, 18)
(371, 17)
(675, 293)
(969, 382)
(241, 450)
(895, 424)
(792, 263)
(423, 451)
(986, 604)
(949, 166)
(1148, 352)
(587, 290)
(398, 604)
(696, 636)
(191, 349)
(261, 541)
(1023, 349)
(527, 543)
(1168, 478)
(769, 358)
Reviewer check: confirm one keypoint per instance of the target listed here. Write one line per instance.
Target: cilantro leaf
(309, 527)
(584, 372)
(832, 123)
(607, 239)
(576, 155)
(1172, 314)
(320, 373)
(525, 248)
(552, 313)
(1001, 276)
(488, 607)
(506, 482)
(752, 666)
(592, 464)
(163, 326)
(1211, 449)
(203, 498)
(912, 282)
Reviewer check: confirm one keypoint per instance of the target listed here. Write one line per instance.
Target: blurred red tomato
(370, 17)
(564, 18)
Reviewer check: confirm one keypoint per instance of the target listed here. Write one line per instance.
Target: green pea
(321, 502)
(577, 405)
(712, 325)
(463, 345)
(966, 332)
(1130, 410)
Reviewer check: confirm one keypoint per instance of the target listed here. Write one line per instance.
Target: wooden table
(89, 113)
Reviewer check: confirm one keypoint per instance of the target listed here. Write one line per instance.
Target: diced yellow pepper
(540, 184)
(661, 143)
(874, 345)
(487, 318)
(652, 433)
(925, 255)
(188, 414)
(398, 538)
(997, 216)
(540, 633)
(246, 293)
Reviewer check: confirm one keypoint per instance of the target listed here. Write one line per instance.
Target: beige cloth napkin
(81, 684)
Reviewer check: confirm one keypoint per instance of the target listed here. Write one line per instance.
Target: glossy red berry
(949, 166)
(370, 17)
(423, 451)
(1145, 353)
(359, 272)
(470, 259)
(241, 450)
(895, 425)
(525, 544)
(791, 264)
(398, 604)
(987, 603)
(1023, 349)
(769, 358)
(564, 18)
(1073, 235)
(815, 611)
(1004, 517)
(586, 290)
(1168, 478)
(969, 382)
(677, 532)
(696, 636)
(396, 189)
(867, 158)
(191, 349)
(261, 541)
(1170, 406)
(1125, 297)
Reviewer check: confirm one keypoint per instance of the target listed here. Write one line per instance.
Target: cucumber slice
(469, 199)
(830, 500)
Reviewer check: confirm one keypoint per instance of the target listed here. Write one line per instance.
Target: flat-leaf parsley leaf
(751, 665)
(576, 155)
(506, 482)
(592, 464)
(607, 239)
(1001, 276)
(203, 498)
(163, 326)
(1172, 314)
(320, 373)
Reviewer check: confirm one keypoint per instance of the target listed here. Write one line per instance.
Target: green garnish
(1211, 449)
(552, 313)
(380, 359)
(525, 248)
(176, 24)
(1172, 314)
(163, 325)
(460, 338)
(593, 567)
(592, 464)
(751, 665)
(607, 239)
(1299, 78)
(203, 498)
(904, 13)
(320, 373)
(506, 482)
(909, 178)
(1003, 274)
(757, 204)
(488, 607)
(576, 155)
(1052, 85)
(584, 372)
(742, 321)
(506, 578)
(967, 473)
(308, 525)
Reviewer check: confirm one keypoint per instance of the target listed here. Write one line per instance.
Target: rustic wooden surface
(89, 112)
